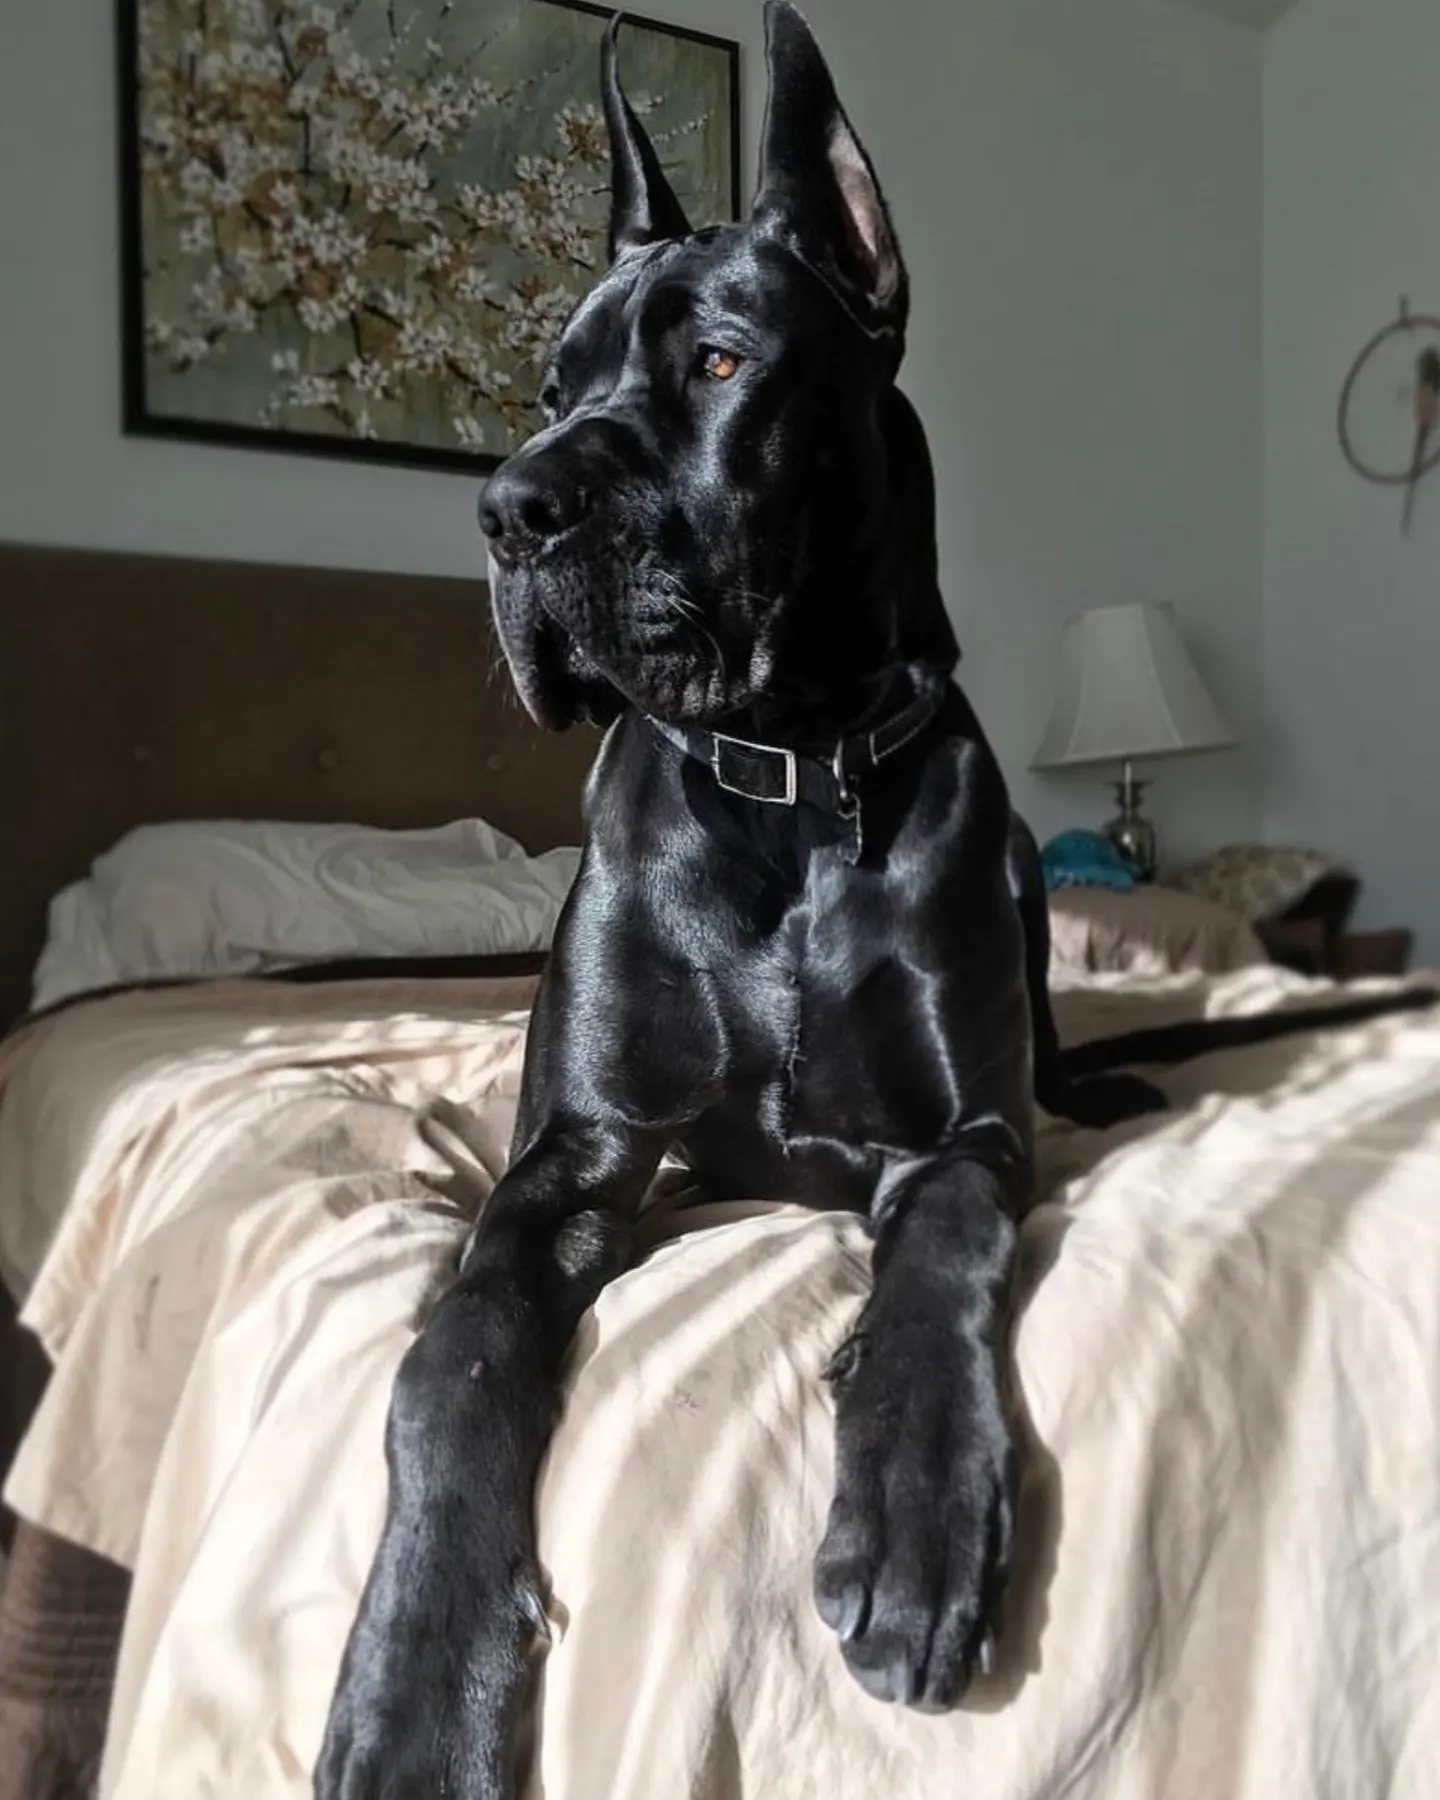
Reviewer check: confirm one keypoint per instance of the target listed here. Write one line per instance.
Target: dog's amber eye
(721, 365)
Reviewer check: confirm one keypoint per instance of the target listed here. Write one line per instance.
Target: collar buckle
(755, 771)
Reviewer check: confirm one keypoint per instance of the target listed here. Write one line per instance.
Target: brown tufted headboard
(138, 688)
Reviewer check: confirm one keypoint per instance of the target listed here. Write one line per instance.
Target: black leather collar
(773, 776)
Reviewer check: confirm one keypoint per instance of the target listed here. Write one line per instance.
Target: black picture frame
(139, 419)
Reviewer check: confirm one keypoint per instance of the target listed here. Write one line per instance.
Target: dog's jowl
(807, 945)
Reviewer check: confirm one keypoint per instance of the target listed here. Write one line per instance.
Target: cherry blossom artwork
(355, 228)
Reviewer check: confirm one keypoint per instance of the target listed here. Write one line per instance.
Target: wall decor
(1390, 406)
(352, 229)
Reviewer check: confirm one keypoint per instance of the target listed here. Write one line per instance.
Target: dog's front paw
(431, 1684)
(917, 1549)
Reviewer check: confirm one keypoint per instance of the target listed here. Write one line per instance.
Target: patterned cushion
(1258, 881)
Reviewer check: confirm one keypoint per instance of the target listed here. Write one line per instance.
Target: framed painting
(353, 229)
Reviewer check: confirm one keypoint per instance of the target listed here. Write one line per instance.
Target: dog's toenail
(905, 1684)
(987, 1653)
(845, 1361)
(854, 1608)
(534, 1612)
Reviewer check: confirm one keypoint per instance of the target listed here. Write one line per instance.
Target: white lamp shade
(1128, 689)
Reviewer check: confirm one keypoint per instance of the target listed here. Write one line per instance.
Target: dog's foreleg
(435, 1673)
(917, 1547)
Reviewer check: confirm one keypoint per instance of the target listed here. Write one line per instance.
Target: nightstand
(1314, 936)
(1374, 953)
(1311, 947)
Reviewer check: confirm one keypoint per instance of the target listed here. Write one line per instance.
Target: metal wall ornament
(1389, 415)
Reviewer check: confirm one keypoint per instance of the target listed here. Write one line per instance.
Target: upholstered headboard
(139, 688)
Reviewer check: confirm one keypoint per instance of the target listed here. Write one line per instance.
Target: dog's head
(729, 512)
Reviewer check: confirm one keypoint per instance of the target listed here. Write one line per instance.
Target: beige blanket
(1149, 931)
(1229, 1577)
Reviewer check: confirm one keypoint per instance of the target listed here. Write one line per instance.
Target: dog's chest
(843, 1033)
(783, 1025)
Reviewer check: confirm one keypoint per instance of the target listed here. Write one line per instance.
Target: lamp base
(1130, 831)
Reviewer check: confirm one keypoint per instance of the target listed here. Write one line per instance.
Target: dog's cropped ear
(643, 207)
(818, 193)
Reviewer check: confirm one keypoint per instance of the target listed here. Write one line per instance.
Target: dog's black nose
(526, 505)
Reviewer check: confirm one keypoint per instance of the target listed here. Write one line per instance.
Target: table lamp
(1128, 689)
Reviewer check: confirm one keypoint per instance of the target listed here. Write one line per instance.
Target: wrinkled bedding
(1228, 1347)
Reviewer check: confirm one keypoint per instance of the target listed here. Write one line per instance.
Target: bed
(1227, 1339)
(137, 690)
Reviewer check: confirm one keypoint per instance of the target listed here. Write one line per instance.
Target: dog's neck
(869, 625)
(837, 782)
(811, 720)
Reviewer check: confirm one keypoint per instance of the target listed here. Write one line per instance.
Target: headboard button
(327, 758)
(495, 763)
(142, 753)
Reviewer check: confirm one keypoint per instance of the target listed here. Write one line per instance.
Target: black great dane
(807, 945)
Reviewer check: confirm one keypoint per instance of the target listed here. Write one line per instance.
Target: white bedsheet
(1229, 1351)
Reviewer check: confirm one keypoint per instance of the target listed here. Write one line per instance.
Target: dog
(807, 944)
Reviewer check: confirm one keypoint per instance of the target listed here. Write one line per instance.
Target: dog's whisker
(673, 596)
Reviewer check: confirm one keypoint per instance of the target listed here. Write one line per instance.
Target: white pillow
(212, 898)
(75, 958)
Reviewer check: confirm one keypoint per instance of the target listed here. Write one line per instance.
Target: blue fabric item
(1084, 859)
